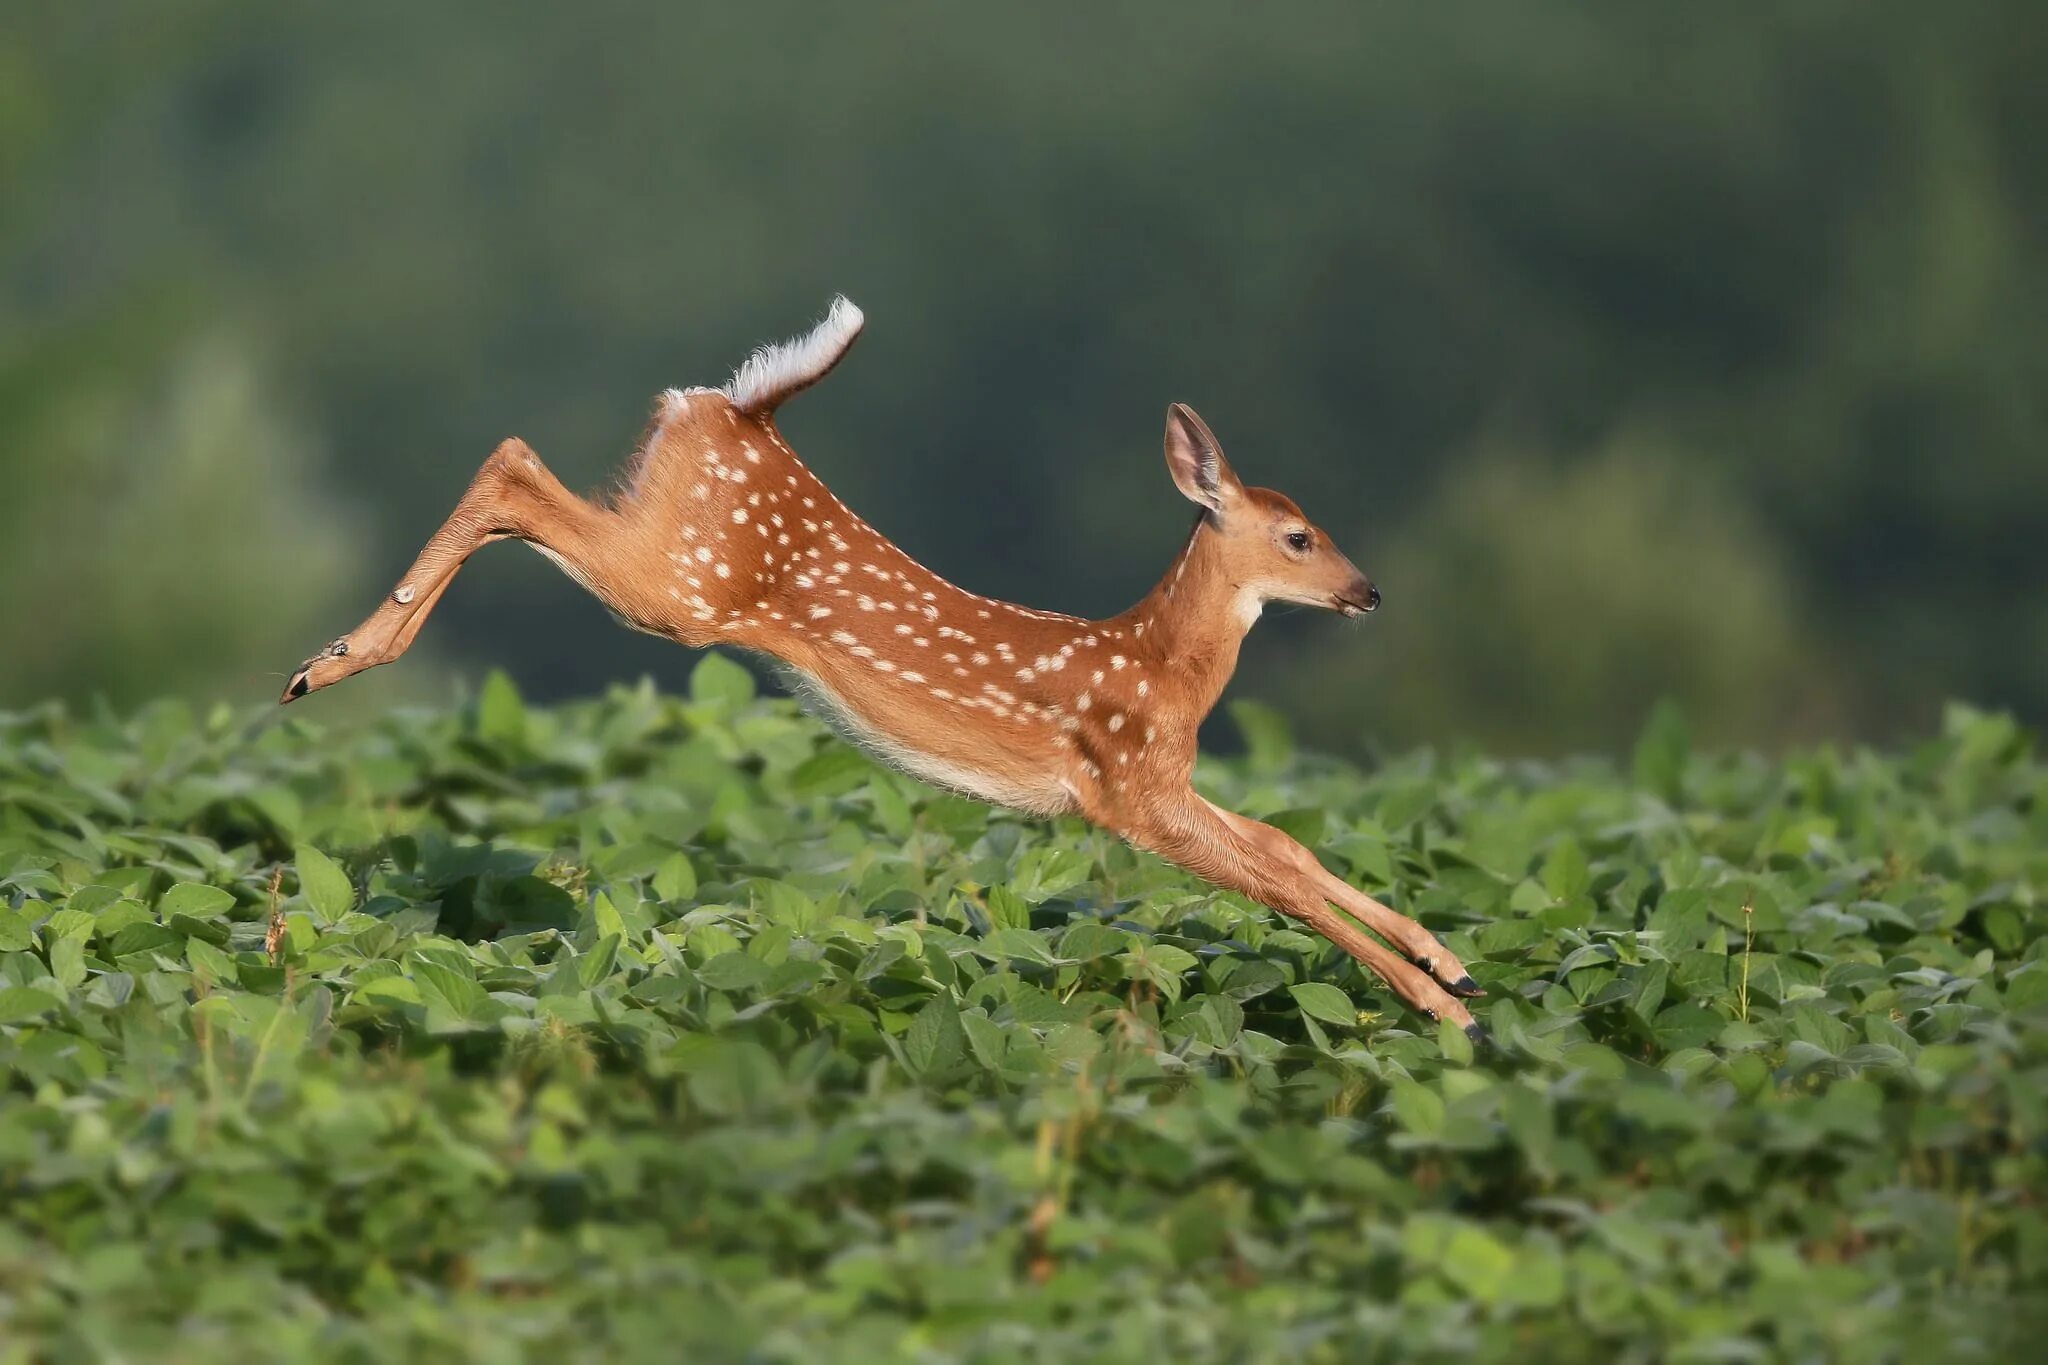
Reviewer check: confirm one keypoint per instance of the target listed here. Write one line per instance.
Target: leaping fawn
(722, 535)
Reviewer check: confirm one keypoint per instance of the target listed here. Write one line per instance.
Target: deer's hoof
(1477, 1033)
(1465, 986)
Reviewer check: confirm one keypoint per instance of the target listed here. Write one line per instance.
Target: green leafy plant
(659, 1025)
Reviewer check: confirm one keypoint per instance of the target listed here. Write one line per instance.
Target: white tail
(774, 374)
(725, 536)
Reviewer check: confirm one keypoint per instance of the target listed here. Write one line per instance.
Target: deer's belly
(998, 778)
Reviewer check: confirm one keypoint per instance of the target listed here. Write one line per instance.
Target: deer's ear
(1196, 461)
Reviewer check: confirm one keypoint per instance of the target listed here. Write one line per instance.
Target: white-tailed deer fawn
(721, 535)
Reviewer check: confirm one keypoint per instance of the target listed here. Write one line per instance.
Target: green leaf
(400, 988)
(1565, 873)
(1162, 964)
(1539, 1277)
(145, 938)
(1047, 871)
(1680, 920)
(1405, 805)
(606, 920)
(1009, 943)
(881, 958)
(325, 886)
(1085, 942)
(1250, 978)
(1646, 992)
(1371, 859)
(1419, 1109)
(18, 1003)
(718, 680)
(213, 931)
(733, 972)
(1007, 910)
(500, 714)
(1686, 1025)
(67, 959)
(70, 924)
(988, 1039)
(1454, 1043)
(1269, 743)
(16, 931)
(1659, 1107)
(1662, 750)
(1479, 1264)
(593, 967)
(892, 810)
(1303, 824)
(195, 900)
(440, 983)
(209, 962)
(834, 770)
(676, 880)
(734, 1077)
(1219, 1021)
(527, 902)
(1325, 1002)
(1531, 1123)
(2027, 986)
(935, 1039)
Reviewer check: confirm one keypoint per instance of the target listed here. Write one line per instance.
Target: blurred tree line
(1634, 350)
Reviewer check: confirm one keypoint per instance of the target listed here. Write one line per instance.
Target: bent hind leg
(513, 496)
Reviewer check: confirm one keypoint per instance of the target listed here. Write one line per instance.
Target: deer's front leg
(1197, 836)
(1416, 943)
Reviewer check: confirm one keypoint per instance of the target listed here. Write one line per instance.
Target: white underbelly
(1046, 796)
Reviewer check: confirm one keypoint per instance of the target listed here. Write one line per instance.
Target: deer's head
(1265, 547)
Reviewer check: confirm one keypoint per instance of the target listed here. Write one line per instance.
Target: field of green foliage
(668, 1027)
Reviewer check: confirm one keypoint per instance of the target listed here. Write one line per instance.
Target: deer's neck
(1195, 619)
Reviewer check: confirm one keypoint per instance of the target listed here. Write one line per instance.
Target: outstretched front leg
(1416, 943)
(513, 496)
(1259, 861)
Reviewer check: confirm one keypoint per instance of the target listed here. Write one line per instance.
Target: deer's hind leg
(514, 496)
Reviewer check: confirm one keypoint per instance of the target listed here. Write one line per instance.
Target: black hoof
(1478, 1034)
(297, 689)
(1465, 986)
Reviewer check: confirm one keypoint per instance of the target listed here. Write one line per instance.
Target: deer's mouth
(1354, 607)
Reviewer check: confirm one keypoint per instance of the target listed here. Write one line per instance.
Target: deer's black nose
(1372, 599)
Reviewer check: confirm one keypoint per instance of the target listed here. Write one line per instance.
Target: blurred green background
(1634, 349)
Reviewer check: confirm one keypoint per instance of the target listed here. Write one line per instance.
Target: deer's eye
(1298, 540)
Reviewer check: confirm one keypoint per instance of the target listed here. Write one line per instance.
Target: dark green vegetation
(661, 1025)
(1748, 297)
